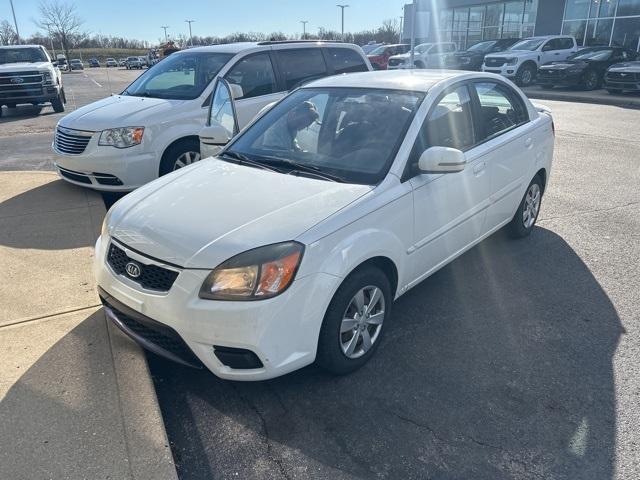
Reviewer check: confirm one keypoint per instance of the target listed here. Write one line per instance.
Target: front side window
(19, 55)
(345, 60)
(500, 110)
(565, 44)
(182, 76)
(301, 66)
(254, 74)
(351, 134)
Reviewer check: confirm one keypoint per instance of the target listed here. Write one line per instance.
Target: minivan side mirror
(442, 160)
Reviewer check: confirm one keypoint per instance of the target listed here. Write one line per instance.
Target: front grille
(152, 277)
(70, 141)
(495, 62)
(623, 76)
(21, 84)
(107, 179)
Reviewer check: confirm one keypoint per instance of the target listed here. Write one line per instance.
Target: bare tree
(62, 21)
(7, 34)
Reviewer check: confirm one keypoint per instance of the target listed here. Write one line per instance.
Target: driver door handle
(528, 142)
(479, 168)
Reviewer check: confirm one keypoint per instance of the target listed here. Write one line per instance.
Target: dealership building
(591, 22)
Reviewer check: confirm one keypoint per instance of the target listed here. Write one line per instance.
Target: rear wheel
(353, 324)
(590, 80)
(526, 75)
(180, 155)
(525, 217)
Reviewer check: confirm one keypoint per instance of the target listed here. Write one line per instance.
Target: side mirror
(236, 91)
(442, 160)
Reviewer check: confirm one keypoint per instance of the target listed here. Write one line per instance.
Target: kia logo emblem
(17, 80)
(133, 269)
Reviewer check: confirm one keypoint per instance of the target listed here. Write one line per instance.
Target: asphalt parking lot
(517, 361)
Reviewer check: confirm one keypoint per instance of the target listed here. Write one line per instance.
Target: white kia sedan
(291, 246)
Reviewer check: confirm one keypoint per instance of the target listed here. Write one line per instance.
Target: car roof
(242, 46)
(410, 80)
(21, 46)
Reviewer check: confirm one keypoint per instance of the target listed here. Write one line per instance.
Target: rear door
(255, 74)
(300, 65)
(345, 60)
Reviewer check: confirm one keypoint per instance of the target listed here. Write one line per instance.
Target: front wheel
(526, 75)
(527, 214)
(354, 322)
(590, 80)
(58, 103)
(180, 155)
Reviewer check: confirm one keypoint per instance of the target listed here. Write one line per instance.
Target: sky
(141, 19)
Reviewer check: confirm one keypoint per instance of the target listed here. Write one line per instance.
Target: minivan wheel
(179, 155)
(525, 76)
(590, 80)
(525, 217)
(353, 324)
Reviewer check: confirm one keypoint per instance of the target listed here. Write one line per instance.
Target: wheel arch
(178, 140)
(542, 173)
(384, 264)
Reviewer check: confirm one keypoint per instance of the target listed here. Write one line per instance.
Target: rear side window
(301, 66)
(254, 74)
(500, 109)
(565, 44)
(345, 60)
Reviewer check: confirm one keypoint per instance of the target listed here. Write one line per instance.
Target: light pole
(342, 7)
(401, 28)
(414, 8)
(15, 22)
(53, 50)
(166, 39)
(304, 28)
(190, 36)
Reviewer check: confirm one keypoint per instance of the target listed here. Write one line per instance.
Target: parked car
(111, 62)
(473, 57)
(76, 64)
(379, 57)
(360, 163)
(124, 141)
(520, 63)
(585, 68)
(370, 47)
(29, 76)
(425, 55)
(143, 61)
(133, 62)
(61, 62)
(122, 62)
(93, 63)
(623, 77)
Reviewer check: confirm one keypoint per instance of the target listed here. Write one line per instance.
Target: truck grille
(72, 142)
(152, 277)
(495, 62)
(21, 85)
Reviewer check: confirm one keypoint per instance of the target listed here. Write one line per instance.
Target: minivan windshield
(181, 76)
(528, 44)
(345, 134)
(18, 55)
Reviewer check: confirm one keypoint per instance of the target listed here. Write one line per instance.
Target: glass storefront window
(598, 32)
(575, 28)
(460, 19)
(576, 9)
(530, 12)
(513, 12)
(446, 19)
(628, 7)
(603, 8)
(626, 33)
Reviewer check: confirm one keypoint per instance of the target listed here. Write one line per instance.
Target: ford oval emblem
(17, 80)
(133, 269)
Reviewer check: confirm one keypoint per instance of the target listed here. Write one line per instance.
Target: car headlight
(104, 232)
(47, 77)
(512, 61)
(121, 137)
(256, 274)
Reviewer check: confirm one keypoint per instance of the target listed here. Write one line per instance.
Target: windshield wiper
(302, 167)
(242, 159)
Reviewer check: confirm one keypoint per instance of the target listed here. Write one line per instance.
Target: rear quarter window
(345, 60)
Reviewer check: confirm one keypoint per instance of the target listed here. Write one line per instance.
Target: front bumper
(505, 70)
(282, 332)
(558, 77)
(107, 168)
(626, 85)
(40, 94)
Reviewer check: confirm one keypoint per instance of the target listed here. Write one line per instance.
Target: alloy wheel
(187, 158)
(531, 206)
(362, 322)
(591, 81)
(527, 76)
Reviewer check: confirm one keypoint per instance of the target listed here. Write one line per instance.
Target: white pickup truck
(28, 76)
(521, 62)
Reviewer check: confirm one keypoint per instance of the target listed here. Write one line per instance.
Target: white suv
(520, 63)
(124, 141)
(425, 55)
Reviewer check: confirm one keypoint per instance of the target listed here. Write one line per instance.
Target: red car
(380, 56)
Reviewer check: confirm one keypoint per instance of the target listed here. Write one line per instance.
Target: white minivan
(124, 141)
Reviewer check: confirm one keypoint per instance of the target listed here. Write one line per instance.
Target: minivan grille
(70, 141)
(152, 277)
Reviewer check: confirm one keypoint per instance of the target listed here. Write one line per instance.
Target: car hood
(511, 53)
(119, 111)
(626, 67)
(213, 210)
(22, 66)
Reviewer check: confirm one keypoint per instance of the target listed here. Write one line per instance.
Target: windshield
(422, 48)
(349, 134)
(528, 44)
(181, 76)
(16, 55)
(592, 55)
(482, 47)
(378, 51)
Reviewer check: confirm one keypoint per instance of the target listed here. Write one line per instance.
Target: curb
(145, 435)
(598, 99)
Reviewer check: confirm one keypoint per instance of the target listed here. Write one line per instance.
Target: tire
(526, 75)
(614, 91)
(58, 103)
(334, 344)
(171, 159)
(522, 223)
(590, 80)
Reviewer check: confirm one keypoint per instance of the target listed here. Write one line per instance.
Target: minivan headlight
(263, 272)
(121, 137)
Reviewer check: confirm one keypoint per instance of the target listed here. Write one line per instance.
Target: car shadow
(20, 112)
(498, 366)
